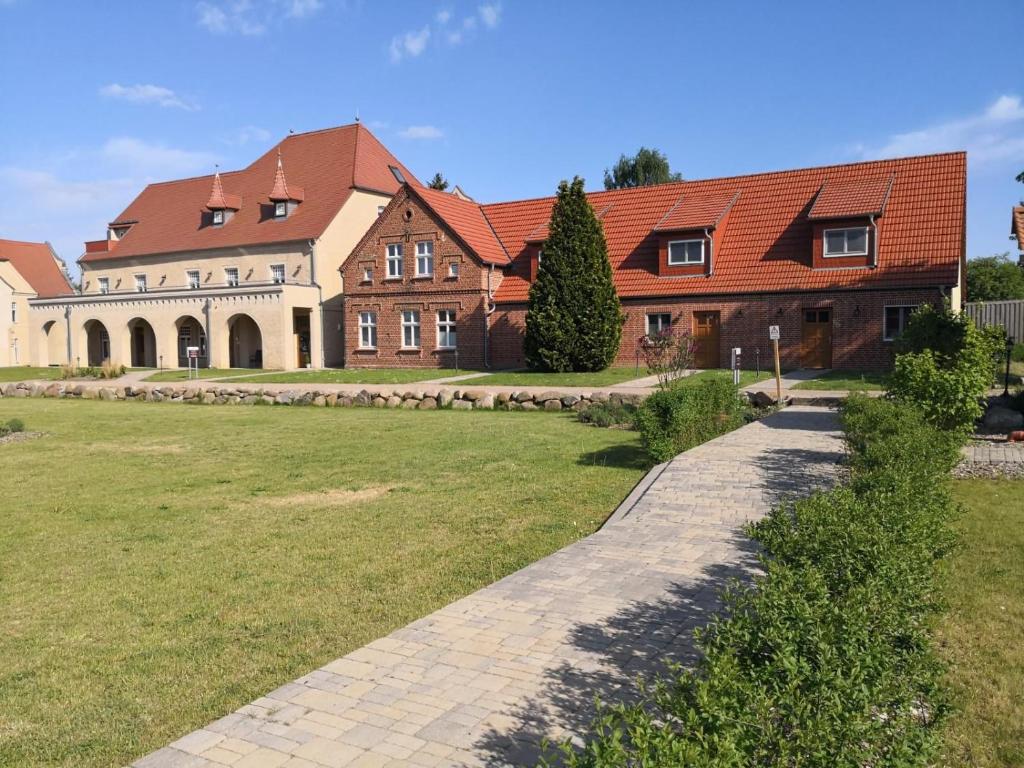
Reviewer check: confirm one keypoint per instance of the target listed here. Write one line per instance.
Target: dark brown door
(705, 334)
(816, 339)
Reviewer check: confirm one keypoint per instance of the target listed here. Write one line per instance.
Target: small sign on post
(736, 351)
(192, 353)
(773, 334)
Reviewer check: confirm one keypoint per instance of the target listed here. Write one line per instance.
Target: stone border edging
(622, 511)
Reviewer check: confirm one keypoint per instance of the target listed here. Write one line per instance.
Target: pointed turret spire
(281, 192)
(219, 201)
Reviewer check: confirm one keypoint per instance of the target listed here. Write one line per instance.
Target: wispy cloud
(443, 16)
(250, 133)
(300, 9)
(490, 14)
(235, 17)
(409, 44)
(992, 135)
(147, 94)
(148, 158)
(427, 132)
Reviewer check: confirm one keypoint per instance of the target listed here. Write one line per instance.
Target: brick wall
(857, 318)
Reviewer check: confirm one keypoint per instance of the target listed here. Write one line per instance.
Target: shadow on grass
(625, 456)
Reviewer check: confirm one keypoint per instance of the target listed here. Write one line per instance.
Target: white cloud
(147, 94)
(251, 133)
(143, 158)
(995, 134)
(300, 9)
(410, 44)
(236, 16)
(428, 132)
(443, 17)
(490, 14)
(454, 37)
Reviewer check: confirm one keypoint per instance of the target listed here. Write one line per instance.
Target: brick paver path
(480, 681)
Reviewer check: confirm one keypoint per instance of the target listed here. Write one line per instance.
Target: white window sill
(366, 349)
(686, 264)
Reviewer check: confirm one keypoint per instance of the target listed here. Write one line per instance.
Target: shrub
(111, 371)
(609, 414)
(1017, 354)
(827, 660)
(676, 419)
(15, 425)
(668, 354)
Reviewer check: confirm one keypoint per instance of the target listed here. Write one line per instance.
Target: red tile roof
(39, 265)
(840, 199)
(218, 200)
(767, 243)
(466, 219)
(281, 191)
(698, 211)
(326, 164)
(540, 234)
(1017, 225)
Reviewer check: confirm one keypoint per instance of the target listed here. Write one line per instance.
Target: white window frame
(903, 319)
(367, 330)
(686, 261)
(411, 328)
(447, 329)
(233, 283)
(845, 253)
(280, 210)
(273, 276)
(103, 284)
(380, 209)
(368, 274)
(141, 284)
(188, 278)
(650, 331)
(218, 218)
(425, 258)
(396, 253)
(14, 312)
(453, 269)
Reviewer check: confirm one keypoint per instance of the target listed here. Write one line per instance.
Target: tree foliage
(646, 167)
(574, 321)
(994, 278)
(439, 182)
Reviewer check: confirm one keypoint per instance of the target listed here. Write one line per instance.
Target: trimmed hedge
(827, 659)
(676, 419)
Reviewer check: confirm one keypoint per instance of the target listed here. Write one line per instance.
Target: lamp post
(1006, 378)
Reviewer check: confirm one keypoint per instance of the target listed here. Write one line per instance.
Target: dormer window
(283, 196)
(281, 210)
(684, 252)
(218, 218)
(852, 241)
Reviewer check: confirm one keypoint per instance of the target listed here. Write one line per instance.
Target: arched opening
(54, 349)
(246, 343)
(191, 335)
(97, 343)
(143, 343)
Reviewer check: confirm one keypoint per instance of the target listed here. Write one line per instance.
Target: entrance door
(705, 334)
(816, 339)
(301, 325)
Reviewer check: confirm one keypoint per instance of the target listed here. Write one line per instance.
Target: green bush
(12, 426)
(609, 414)
(676, 419)
(944, 367)
(1017, 354)
(827, 660)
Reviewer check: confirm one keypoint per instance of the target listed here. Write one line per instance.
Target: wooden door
(816, 339)
(705, 334)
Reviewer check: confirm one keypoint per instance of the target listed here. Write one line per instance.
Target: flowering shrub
(667, 354)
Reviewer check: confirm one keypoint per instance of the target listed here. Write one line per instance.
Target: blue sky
(505, 98)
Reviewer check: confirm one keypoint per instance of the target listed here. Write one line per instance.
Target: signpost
(736, 351)
(193, 360)
(773, 334)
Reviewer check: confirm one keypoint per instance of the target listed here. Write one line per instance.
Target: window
(846, 242)
(218, 218)
(231, 276)
(367, 330)
(104, 284)
(682, 252)
(280, 210)
(367, 274)
(410, 329)
(453, 269)
(425, 258)
(277, 273)
(380, 209)
(397, 174)
(446, 329)
(140, 283)
(540, 255)
(193, 278)
(395, 260)
(895, 321)
(14, 312)
(658, 323)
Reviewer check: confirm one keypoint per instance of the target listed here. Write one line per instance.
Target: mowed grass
(981, 633)
(605, 378)
(28, 373)
(162, 565)
(204, 373)
(351, 376)
(854, 381)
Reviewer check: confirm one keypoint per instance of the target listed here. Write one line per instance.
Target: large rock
(363, 398)
(284, 398)
(761, 399)
(568, 401)
(410, 403)
(529, 405)
(106, 394)
(999, 418)
(444, 398)
(487, 401)
(427, 403)
(52, 391)
(461, 405)
(473, 394)
(523, 397)
(543, 397)
(553, 405)
(394, 401)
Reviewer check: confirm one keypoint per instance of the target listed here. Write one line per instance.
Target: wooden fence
(1009, 314)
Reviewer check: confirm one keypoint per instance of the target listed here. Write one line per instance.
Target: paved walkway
(480, 681)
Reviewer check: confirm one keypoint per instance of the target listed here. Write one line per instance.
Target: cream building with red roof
(241, 265)
(27, 271)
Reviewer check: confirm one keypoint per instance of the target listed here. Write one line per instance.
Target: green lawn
(854, 381)
(746, 377)
(204, 373)
(186, 560)
(28, 373)
(352, 376)
(604, 378)
(981, 634)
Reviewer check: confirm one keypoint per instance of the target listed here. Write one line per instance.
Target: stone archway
(54, 347)
(191, 333)
(97, 343)
(143, 343)
(245, 342)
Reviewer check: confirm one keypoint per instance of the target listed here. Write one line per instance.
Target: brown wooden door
(705, 334)
(816, 339)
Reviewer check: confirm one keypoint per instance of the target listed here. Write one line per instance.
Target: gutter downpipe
(320, 293)
(874, 241)
(67, 325)
(711, 251)
(488, 311)
(207, 310)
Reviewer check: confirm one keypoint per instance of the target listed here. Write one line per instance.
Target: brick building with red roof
(837, 256)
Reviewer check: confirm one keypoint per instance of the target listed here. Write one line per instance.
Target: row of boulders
(423, 399)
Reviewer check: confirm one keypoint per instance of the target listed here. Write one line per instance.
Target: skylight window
(399, 177)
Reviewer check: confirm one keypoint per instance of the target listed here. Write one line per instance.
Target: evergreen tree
(439, 182)
(574, 321)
